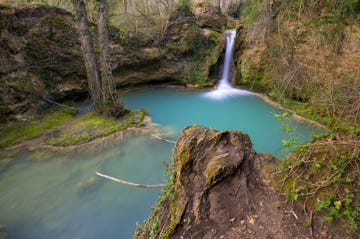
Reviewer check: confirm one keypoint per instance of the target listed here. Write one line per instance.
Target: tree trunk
(108, 89)
(125, 6)
(88, 54)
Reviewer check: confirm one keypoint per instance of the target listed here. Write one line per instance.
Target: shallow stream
(45, 195)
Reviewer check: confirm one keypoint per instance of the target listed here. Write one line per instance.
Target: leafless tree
(101, 89)
(88, 54)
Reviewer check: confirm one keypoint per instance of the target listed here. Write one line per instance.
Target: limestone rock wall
(40, 57)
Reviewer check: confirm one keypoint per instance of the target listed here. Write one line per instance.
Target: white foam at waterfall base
(224, 89)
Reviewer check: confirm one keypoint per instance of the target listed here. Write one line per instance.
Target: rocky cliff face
(186, 54)
(306, 52)
(221, 188)
(40, 57)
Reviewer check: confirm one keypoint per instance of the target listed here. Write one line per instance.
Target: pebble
(323, 235)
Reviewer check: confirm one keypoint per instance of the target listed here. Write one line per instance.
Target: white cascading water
(224, 88)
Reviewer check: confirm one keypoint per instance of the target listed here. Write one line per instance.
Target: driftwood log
(162, 139)
(130, 183)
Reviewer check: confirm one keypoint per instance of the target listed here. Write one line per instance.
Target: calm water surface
(242, 110)
(45, 195)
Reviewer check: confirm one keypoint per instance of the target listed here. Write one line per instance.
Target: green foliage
(324, 176)
(307, 223)
(201, 51)
(195, 43)
(252, 10)
(195, 73)
(284, 70)
(20, 131)
(184, 7)
(234, 9)
(4, 6)
(165, 201)
(290, 139)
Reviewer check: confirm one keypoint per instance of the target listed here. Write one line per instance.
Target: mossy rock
(200, 162)
(91, 126)
(18, 131)
(216, 168)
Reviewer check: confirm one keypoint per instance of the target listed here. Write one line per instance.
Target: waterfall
(224, 88)
(225, 81)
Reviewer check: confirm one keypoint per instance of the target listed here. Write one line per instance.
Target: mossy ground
(16, 132)
(91, 126)
(66, 129)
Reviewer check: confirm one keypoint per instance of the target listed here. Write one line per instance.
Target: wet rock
(207, 16)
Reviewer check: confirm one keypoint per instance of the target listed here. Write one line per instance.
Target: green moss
(215, 169)
(113, 129)
(57, 27)
(5, 6)
(93, 121)
(201, 52)
(184, 158)
(79, 130)
(20, 131)
(142, 114)
(167, 213)
(252, 10)
(195, 73)
(67, 140)
(91, 126)
(184, 7)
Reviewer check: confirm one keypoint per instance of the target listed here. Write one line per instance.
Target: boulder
(221, 188)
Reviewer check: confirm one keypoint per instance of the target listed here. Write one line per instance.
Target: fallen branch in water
(130, 183)
(162, 139)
